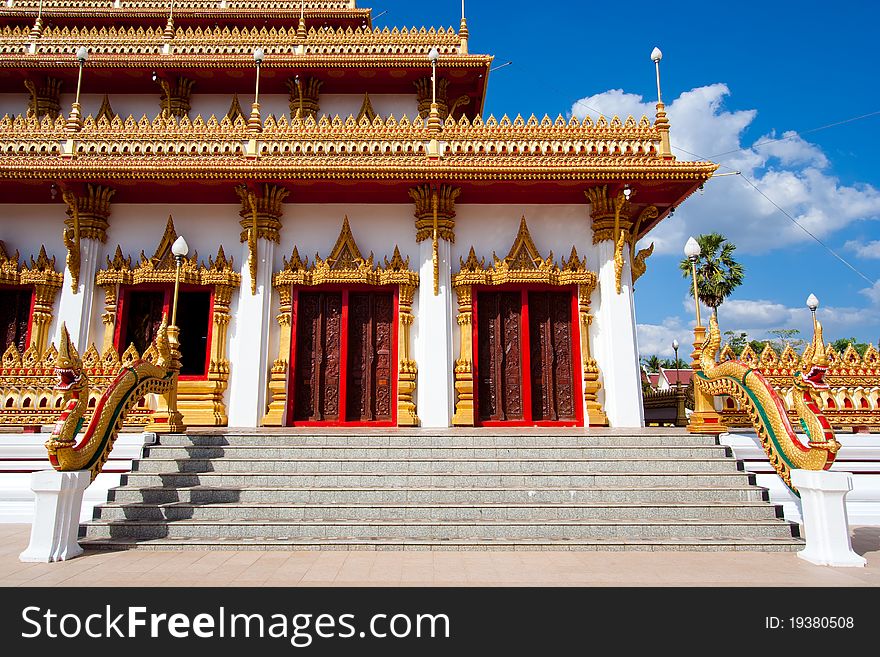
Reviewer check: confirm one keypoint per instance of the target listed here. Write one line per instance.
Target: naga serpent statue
(133, 382)
(767, 411)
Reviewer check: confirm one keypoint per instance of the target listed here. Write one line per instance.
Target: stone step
(642, 479)
(451, 438)
(331, 452)
(706, 544)
(438, 530)
(530, 466)
(175, 511)
(433, 495)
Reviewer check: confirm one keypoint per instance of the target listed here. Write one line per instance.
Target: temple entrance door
(550, 345)
(499, 362)
(526, 357)
(344, 357)
(318, 355)
(370, 317)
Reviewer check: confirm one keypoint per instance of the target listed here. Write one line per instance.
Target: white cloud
(656, 339)
(792, 172)
(864, 249)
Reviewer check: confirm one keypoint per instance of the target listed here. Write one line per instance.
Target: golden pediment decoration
(524, 264)
(345, 264)
(162, 268)
(366, 111)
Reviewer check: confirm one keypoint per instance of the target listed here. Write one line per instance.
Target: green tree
(718, 273)
(652, 363)
(736, 342)
(841, 344)
(787, 336)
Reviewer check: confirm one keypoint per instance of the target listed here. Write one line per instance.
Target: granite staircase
(439, 490)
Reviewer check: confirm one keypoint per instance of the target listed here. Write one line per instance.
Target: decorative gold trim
(175, 99)
(345, 265)
(366, 112)
(105, 111)
(523, 264)
(234, 112)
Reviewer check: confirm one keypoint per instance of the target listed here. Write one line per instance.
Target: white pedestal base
(824, 511)
(56, 515)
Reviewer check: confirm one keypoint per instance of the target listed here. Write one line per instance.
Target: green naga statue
(133, 382)
(766, 410)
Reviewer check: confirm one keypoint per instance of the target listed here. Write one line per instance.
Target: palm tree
(718, 274)
(653, 363)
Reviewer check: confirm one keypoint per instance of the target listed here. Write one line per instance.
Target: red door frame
(126, 290)
(345, 290)
(525, 355)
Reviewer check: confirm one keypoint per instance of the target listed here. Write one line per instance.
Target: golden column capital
(603, 208)
(269, 201)
(44, 99)
(304, 100)
(423, 93)
(175, 98)
(423, 198)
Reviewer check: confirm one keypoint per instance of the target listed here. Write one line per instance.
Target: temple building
(365, 245)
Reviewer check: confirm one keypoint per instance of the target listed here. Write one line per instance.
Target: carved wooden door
(318, 356)
(550, 350)
(143, 316)
(15, 308)
(368, 384)
(499, 359)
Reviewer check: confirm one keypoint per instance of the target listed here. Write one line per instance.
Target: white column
(433, 346)
(823, 502)
(75, 308)
(249, 349)
(55, 529)
(616, 348)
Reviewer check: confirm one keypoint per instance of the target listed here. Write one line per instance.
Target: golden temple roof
(528, 149)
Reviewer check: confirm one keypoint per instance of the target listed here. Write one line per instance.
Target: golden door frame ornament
(41, 273)
(523, 264)
(345, 265)
(200, 402)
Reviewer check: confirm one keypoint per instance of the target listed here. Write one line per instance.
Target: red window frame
(168, 289)
(343, 355)
(525, 355)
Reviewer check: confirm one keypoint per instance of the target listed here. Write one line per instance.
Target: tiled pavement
(358, 568)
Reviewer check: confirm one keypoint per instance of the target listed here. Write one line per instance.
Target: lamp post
(434, 122)
(74, 121)
(675, 350)
(704, 419)
(254, 122)
(175, 424)
(692, 251)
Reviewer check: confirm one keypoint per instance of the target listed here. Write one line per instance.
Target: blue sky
(734, 75)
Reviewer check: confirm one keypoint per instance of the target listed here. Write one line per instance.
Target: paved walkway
(254, 568)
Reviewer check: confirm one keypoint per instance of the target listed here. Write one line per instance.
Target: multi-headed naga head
(814, 377)
(68, 365)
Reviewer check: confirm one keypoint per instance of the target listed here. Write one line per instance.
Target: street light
(434, 116)
(675, 349)
(254, 122)
(179, 250)
(692, 251)
(74, 121)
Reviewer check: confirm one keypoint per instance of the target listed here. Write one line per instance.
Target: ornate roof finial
(463, 31)
(662, 123)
